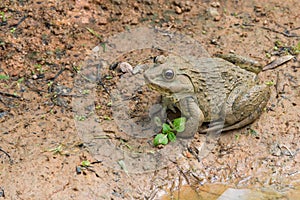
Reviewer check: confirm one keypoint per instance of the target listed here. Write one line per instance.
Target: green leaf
(166, 128)
(85, 163)
(179, 124)
(4, 77)
(253, 132)
(269, 83)
(172, 136)
(160, 139)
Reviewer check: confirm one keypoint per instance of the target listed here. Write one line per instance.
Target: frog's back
(213, 80)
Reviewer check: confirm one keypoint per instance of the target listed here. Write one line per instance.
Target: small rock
(134, 21)
(178, 10)
(257, 8)
(2, 192)
(214, 41)
(117, 2)
(102, 21)
(85, 20)
(126, 67)
(213, 12)
(140, 69)
(217, 18)
(34, 76)
(160, 59)
(96, 49)
(148, 2)
(256, 19)
(177, 3)
(215, 4)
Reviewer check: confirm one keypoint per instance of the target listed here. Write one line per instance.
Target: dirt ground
(43, 48)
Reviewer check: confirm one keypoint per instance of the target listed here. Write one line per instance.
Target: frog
(207, 90)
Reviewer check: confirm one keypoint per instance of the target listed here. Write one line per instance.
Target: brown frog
(208, 90)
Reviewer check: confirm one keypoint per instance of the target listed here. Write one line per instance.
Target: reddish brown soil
(44, 43)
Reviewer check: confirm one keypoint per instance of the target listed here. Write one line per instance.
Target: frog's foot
(214, 127)
(245, 108)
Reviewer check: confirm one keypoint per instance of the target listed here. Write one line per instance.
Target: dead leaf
(278, 62)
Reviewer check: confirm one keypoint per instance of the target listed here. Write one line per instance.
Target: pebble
(178, 10)
(126, 67)
(102, 21)
(215, 4)
(213, 12)
(134, 21)
(140, 69)
(217, 18)
(34, 76)
(117, 2)
(96, 49)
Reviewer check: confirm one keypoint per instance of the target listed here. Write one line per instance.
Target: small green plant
(57, 150)
(108, 77)
(296, 48)
(2, 16)
(50, 83)
(94, 33)
(253, 132)
(85, 163)
(169, 131)
(85, 91)
(109, 104)
(80, 118)
(20, 80)
(4, 77)
(103, 45)
(13, 30)
(76, 69)
(106, 117)
(39, 68)
(269, 83)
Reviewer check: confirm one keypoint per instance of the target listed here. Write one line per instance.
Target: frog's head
(169, 75)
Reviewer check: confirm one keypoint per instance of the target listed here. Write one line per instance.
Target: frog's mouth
(159, 89)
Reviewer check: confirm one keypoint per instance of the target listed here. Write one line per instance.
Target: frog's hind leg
(242, 108)
(246, 107)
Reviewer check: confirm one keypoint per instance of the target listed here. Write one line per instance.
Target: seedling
(169, 131)
(85, 91)
(57, 150)
(2, 16)
(98, 107)
(39, 68)
(296, 48)
(269, 83)
(85, 163)
(4, 77)
(94, 33)
(253, 132)
(80, 117)
(13, 30)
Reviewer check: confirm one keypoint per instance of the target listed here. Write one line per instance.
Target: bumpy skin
(210, 90)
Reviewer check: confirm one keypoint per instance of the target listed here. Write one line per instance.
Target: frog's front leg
(190, 109)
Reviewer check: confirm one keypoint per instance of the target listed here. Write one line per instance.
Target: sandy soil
(44, 45)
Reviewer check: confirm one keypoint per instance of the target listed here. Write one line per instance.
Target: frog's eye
(169, 74)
